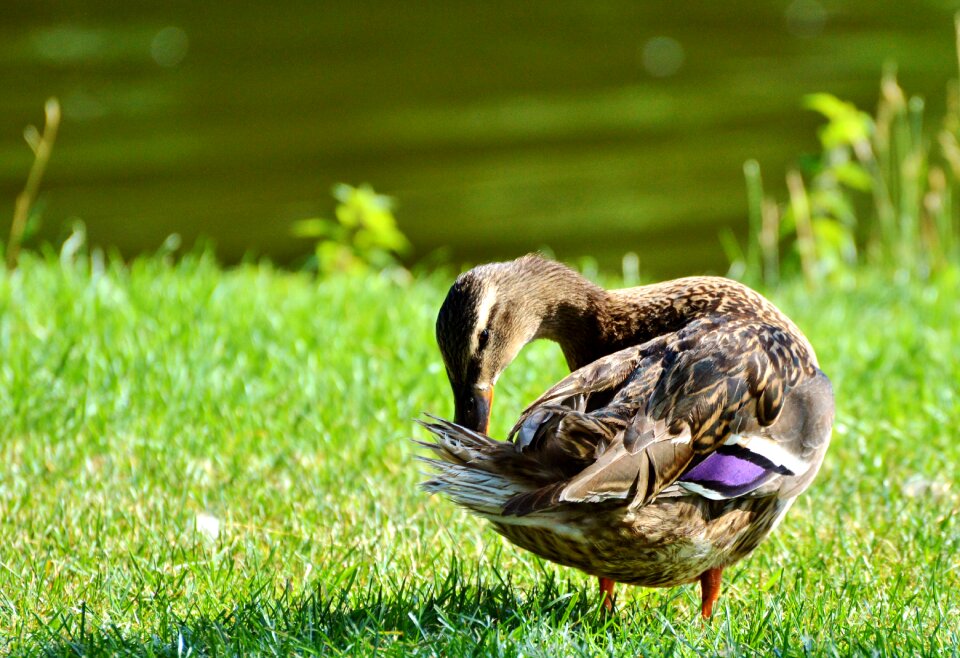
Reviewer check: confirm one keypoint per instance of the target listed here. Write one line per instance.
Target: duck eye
(482, 339)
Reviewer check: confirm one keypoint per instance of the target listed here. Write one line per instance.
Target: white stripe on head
(483, 314)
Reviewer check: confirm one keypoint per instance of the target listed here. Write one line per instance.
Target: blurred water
(501, 127)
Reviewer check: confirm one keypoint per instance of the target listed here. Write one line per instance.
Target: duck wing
(699, 408)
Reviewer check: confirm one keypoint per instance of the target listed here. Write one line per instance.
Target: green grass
(133, 399)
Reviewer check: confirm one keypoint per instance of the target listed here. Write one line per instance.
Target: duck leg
(606, 588)
(709, 590)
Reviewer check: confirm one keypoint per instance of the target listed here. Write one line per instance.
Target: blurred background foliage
(587, 128)
(879, 194)
(364, 233)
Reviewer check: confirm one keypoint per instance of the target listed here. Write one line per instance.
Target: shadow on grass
(461, 614)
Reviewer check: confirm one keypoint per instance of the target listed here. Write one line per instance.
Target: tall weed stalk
(42, 145)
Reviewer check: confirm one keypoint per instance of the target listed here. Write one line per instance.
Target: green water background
(592, 128)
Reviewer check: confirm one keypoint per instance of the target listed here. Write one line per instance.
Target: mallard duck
(695, 414)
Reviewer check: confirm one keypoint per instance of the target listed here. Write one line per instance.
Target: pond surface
(500, 127)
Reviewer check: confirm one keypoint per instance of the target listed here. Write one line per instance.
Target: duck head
(490, 313)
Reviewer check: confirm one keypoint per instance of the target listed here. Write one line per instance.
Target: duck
(694, 415)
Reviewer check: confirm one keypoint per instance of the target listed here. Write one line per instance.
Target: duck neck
(571, 312)
(589, 322)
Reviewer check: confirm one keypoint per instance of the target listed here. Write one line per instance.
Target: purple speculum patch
(731, 474)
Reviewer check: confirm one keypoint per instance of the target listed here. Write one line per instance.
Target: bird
(694, 415)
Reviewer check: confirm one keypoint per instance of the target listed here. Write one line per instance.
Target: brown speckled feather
(676, 399)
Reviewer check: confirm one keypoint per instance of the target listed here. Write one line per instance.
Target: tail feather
(462, 469)
(538, 500)
(455, 443)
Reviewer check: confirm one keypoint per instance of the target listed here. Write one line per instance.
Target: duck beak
(471, 408)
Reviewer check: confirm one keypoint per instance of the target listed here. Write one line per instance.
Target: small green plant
(880, 192)
(364, 234)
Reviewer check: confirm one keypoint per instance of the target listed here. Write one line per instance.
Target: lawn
(198, 461)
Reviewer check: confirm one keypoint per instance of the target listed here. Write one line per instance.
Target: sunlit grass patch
(205, 461)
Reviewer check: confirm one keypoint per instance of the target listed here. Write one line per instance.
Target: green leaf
(828, 105)
(854, 176)
(846, 124)
(833, 202)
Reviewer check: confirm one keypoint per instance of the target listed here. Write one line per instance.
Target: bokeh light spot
(662, 56)
(169, 46)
